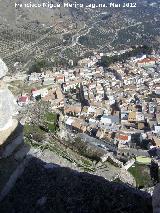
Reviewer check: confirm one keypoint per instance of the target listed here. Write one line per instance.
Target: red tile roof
(23, 99)
(148, 60)
(60, 77)
(33, 90)
(123, 137)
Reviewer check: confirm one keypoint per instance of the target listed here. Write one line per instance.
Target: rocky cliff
(7, 104)
(44, 188)
(3, 69)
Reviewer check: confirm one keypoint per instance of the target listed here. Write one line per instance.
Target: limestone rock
(7, 108)
(5, 133)
(7, 101)
(3, 69)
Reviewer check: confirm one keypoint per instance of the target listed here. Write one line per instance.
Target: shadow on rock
(50, 188)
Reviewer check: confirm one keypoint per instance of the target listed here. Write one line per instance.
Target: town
(119, 105)
(80, 106)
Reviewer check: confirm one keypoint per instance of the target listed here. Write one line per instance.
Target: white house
(156, 129)
(41, 92)
(91, 109)
(139, 116)
(110, 119)
(23, 100)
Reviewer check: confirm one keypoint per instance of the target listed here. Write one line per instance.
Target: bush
(85, 150)
(37, 66)
(34, 132)
(51, 121)
(106, 61)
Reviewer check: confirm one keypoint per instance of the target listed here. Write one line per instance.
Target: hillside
(60, 34)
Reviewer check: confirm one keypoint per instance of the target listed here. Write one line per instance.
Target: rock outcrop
(156, 199)
(7, 107)
(3, 69)
(58, 189)
(11, 132)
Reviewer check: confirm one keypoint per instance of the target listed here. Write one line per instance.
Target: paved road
(136, 152)
(99, 143)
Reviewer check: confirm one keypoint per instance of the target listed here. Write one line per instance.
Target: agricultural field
(141, 173)
(123, 28)
(71, 33)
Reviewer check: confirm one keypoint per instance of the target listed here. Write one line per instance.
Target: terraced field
(27, 38)
(124, 28)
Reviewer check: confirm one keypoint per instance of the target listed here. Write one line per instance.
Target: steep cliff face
(11, 132)
(3, 69)
(7, 108)
(156, 199)
(44, 188)
(11, 135)
(7, 101)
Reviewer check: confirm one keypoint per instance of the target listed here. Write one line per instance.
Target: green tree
(37, 66)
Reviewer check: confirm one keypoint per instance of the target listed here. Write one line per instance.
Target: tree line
(106, 61)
